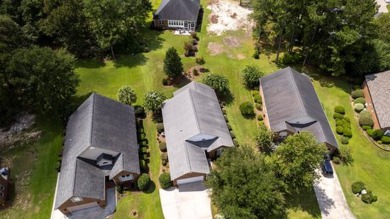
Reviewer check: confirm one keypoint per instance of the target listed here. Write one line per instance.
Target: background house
(290, 104)
(177, 14)
(4, 185)
(195, 131)
(376, 89)
(100, 148)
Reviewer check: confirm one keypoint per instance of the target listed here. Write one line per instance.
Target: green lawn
(35, 190)
(371, 165)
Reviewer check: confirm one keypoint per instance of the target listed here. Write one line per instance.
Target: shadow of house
(100, 147)
(291, 105)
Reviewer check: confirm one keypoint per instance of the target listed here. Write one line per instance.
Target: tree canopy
(252, 75)
(244, 186)
(172, 63)
(154, 100)
(218, 82)
(127, 95)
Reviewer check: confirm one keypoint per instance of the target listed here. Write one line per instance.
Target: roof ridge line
(92, 116)
(291, 73)
(187, 158)
(194, 109)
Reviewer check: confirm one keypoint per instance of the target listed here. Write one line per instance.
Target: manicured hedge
(247, 110)
(385, 139)
(344, 140)
(163, 146)
(257, 98)
(143, 182)
(338, 116)
(377, 134)
(160, 127)
(347, 133)
(358, 107)
(365, 127)
(357, 187)
(365, 119)
(360, 100)
(357, 93)
(339, 109)
(339, 130)
(165, 180)
(370, 132)
(260, 118)
(259, 106)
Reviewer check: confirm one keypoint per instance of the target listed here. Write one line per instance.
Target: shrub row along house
(100, 150)
(177, 14)
(195, 131)
(291, 105)
(377, 94)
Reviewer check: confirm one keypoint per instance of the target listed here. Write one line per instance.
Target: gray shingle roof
(186, 10)
(379, 87)
(193, 110)
(102, 123)
(292, 104)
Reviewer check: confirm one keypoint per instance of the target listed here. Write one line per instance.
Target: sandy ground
(227, 15)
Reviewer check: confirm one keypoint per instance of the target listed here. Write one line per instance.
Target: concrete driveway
(331, 198)
(382, 6)
(189, 201)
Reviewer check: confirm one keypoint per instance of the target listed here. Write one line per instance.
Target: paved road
(331, 198)
(382, 6)
(189, 201)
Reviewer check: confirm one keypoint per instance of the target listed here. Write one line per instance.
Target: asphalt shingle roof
(186, 10)
(292, 104)
(379, 86)
(193, 110)
(102, 123)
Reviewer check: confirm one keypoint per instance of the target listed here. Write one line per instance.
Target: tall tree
(127, 95)
(172, 63)
(112, 21)
(243, 186)
(218, 82)
(296, 159)
(42, 80)
(153, 101)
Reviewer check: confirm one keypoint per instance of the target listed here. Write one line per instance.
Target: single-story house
(4, 185)
(376, 89)
(100, 149)
(290, 105)
(177, 14)
(195, 131)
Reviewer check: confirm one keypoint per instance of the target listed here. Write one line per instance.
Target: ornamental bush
(365, 119)
(385, 139)
(165, 180)
(344, 140)
(260, 118)
(252, 75)
(369, 197)
(218, 82)
(346, 119)
(160, 127)
(247, 110)
(163, 146)
(257, 98)
(377, 134)
(143, 182)
(339, 130)
(339, 123)
(232, 134)
(347, 133)
(164, 158)
(338, 116)
(358, 107)
(370, 132)
(336, 160)
(365, 127)
(357, 187)
(360, 100)
(357, 93)
(339, 109)
(259, 106)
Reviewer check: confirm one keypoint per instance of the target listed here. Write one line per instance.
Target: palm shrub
(365, 119)
(247, 110)
(165, 180)
(127, 95)
(143, 182)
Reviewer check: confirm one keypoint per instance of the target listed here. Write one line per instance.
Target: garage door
(83, 206)
(190, 180)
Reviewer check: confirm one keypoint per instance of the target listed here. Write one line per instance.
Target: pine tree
(172, 63)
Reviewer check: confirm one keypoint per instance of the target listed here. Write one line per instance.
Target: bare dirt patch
(231, 41)
(240, 57)
(227, 15)
(215, 48)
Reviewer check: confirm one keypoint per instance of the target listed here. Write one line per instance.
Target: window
(160, 22)
(76, 199)
(126, 177)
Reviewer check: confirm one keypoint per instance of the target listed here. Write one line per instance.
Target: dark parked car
(327, 166)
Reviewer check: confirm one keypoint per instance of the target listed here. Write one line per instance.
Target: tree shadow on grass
(306, 201)
(226, 99)
(130, 61)
(90, 63)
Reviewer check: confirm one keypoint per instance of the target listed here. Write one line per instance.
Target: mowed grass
(35, 193)
(371, 165)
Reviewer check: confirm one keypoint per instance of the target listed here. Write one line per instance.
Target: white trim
(126, 177)
(175, 23)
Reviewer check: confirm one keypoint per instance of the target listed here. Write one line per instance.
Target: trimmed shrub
(247, 110)
(385, 139)
(346, 119)
(200, 60)
(369, 197)
(360, 100)
(336, 160)
(164, 158)
(344, 140)
(339, 123)
(357, 187)
(163, 147)
(358, 107)
(347, 133)
(365, 127)
(251, 76)
(357, 93)
(235, 142)
(257, 98)
(229, 126)
(370, 132)
(223, 111)
(232, 134)
(143, 182)
(226, 118)
(365, 119)
(160, 127)
(339, 130)
(259, 106)
(260, 118)
(261, 123)
(338, 116)
(165, 180)
(377, 134)
(139, 111)
(339, 109)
